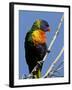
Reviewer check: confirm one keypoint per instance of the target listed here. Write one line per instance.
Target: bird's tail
(37, 72)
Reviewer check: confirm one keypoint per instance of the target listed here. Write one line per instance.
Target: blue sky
(26, 19)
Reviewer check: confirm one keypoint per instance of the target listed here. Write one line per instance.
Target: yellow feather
(38, 36)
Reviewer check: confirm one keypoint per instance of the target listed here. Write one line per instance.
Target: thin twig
(57, 68)
(54, 69)
(54, 62)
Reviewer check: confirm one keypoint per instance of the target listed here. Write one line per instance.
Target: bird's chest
(38, 37)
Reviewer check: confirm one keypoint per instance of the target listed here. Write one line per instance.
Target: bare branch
(60, 65)
(54, 62)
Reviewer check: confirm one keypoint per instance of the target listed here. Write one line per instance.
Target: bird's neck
(38, 37)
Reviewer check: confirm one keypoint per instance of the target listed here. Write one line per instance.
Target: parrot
(35, 46)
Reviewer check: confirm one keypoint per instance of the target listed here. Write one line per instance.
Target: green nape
(36, 25)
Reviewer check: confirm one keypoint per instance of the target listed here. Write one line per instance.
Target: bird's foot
(40, 62)
(48, 51)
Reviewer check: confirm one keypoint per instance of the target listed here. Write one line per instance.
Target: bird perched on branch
(35, 46)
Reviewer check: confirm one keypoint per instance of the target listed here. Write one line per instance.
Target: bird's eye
(47, 25)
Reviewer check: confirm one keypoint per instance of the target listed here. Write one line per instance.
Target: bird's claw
(48, 51)
(40, 62)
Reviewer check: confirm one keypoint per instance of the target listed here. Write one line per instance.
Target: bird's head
(41, 24)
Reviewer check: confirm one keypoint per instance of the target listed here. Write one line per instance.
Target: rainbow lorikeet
(35, 45)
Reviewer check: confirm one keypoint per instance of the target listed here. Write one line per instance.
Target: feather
(35, 46)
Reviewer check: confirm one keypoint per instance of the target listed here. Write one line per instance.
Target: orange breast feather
(38, 36)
